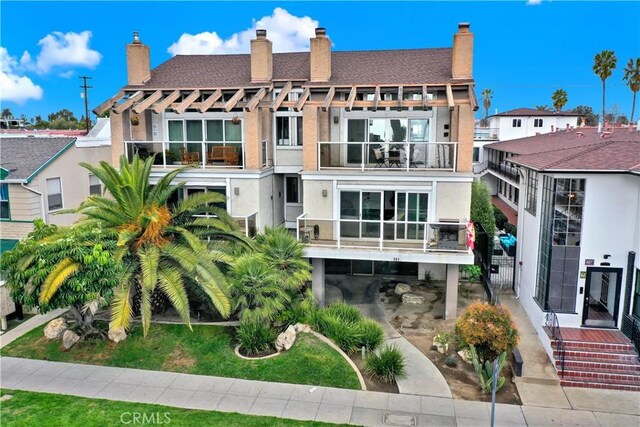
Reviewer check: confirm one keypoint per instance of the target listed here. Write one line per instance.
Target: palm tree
(162, 247)
(604, 63)
(283, 253)
(543, 108)
(632, 76)
(487, 94)
(559, 98)
(6, 113)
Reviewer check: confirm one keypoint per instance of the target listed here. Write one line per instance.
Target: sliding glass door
(411, 209)
(362, 211)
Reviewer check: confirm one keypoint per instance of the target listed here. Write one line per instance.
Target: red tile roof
(531, 112)
(376, 67)
(580, 150)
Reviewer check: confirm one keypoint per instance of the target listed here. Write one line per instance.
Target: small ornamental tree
(60, 267)
(489, 328)
(481, 208)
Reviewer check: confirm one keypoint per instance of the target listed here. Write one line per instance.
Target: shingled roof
(373, 67)
(22, 157)
(577, 150)
(530, 112)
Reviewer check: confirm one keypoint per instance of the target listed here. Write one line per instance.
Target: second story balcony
(486, 134)
(392, 156)
(505, 170)
(197, 154)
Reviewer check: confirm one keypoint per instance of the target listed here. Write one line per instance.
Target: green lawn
(208, 350)
(42, 409)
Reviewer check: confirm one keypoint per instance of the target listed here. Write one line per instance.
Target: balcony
(413, 236)
(388, 156)
(509, 172)
(485, 134)
(246, 223)
(197, 154)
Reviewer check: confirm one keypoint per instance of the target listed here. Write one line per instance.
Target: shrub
(345, 312)
(511, 229)
(443, 338)
(371, 334)
(488, 328)
(346, 336)
(500, 218)
(301, 310)
(255, 338)
(387, 365)
(485, 372)
(451, 361)
(473, 273)
(427, 281)
(481, 208)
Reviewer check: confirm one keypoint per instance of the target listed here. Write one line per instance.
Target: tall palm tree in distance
(559, 98)
(487, 94)
(603, 63)
(632, 77)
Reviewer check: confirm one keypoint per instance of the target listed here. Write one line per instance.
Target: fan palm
(284, 254)
(161, 247)
(604, 63)
(559, 98)
(487, 94)
(632, 77)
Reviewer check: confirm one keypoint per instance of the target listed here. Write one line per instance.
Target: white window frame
(538, 123)
(61, 194)
(293, 95)
(99, 193)
(286, 191)
(516, 123)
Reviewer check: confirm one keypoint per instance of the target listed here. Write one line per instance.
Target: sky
(524, 50)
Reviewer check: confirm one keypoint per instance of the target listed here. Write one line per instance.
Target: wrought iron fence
(554, 328)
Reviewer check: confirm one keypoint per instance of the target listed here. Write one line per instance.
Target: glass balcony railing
(411, 156)
(383, 234)
(200, 154)
(485, 134)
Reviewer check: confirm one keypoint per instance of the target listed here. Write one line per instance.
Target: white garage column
(451, 293)
(317, 280)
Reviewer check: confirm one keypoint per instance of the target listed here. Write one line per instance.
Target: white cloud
(14, 87)
(288, 33)
(67, 74)
(533, 2)
(62, 50)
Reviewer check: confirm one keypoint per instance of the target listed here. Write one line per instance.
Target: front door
(602, 297)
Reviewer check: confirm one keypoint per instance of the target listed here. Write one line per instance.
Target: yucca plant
(255, 338)
(387, 364)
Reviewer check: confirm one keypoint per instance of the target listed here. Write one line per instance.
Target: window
(4, 202)
(532, 192)
(292, 189)
(476, 154)
(636, 297)
(517, 123)
(289, 131)
(537, 123)
(54, 194)
(95, 186)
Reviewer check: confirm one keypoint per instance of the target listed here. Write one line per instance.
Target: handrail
(554, 327)
(203, 151)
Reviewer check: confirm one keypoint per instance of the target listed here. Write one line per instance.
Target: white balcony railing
(200, 154)
(486, 134)
(383, 234)
(246, 223)
(408, 156)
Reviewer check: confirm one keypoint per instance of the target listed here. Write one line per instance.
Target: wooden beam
(129, 102)
(327, 101)
(255, 100)
(187, 101)
(376, 98)
(352, 98)
(207, 103)
(472, 98)
(162, 105)
(400, 95)
(303, 98)
(450, 98)
(425, 97)
(108, 103)
(228, 106)
(283, 95)
(140, 107)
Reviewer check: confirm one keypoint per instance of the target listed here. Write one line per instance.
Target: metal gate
(496, 262)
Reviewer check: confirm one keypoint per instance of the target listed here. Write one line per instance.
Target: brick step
(596, 346)
(601, 377)
(626, 357)
(591, 366)
(588, 384)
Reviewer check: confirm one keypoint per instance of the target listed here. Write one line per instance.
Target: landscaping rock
(286, 339)
(69, 338)
(6, 397)
(402, 288)
(465, 355)
(55, 328)
(301, 327)
(412, 299)
(117, 334)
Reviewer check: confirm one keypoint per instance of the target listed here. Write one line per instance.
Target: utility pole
(84, 86)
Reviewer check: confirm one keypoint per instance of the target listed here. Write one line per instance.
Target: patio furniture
(189, 157)
(416, 158)
(394, 157)
(380, 160)
(228, 155)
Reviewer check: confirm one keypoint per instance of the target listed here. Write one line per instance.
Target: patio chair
(416, 158)
(380, 160)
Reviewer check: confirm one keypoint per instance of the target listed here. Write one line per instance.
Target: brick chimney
(462, 66)
(138, 63)
(320, 56)
(261, 58)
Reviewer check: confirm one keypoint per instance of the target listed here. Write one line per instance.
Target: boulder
(301, 327)
(402, 288)
(465, 355)
(286, 339)
(55, 328)
(69, 338)
(412, 299)
(117, 334)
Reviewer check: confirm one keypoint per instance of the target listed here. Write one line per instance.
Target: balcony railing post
(203, 149)
(455, 157)
(408, 155)
(362, 156)
(424, 238)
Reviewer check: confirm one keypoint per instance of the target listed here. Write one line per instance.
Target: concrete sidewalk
(286, 400)
(40, 319)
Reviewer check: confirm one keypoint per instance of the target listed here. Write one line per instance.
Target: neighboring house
(365, 155)
(579, 233)
(525, 122)
(40, 176)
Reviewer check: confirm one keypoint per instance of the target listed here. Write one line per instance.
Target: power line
(84, 86)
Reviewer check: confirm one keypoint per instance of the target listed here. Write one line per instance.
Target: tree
(6, 113)
(559, 98)
(163, 248)
(60, 267)
(481, 209)
(586, 112)
(284, 255)
(604, 63)
(543, 108)
(486, 94)
(632, 77)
